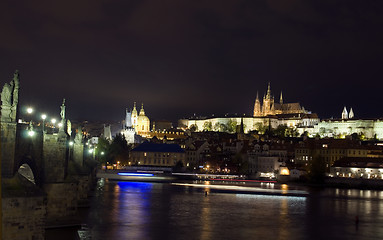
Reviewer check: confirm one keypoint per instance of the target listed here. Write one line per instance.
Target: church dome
(143, 122)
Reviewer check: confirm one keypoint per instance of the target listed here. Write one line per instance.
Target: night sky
(186, 57)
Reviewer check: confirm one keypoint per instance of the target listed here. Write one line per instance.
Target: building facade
(157, 154)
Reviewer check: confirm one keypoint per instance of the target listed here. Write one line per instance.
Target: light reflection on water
(131, 210)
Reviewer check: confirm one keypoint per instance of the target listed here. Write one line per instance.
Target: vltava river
(140, 210)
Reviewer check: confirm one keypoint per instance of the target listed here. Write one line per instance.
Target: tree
(193, 128)
(305, 134)
(291, 132)
(216, 127)
(119, 149)
(261, 128)
(280, 131)
(231, 126)
(207, 126)
(103, 151)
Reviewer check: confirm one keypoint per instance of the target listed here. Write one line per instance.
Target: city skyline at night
(183, 58)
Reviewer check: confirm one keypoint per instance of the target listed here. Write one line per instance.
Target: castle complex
(270, 113)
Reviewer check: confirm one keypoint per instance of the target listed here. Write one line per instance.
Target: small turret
(344, 113)
(142, 112)
(351, 114)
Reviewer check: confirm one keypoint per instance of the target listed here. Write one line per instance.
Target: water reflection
(126, 211)
(129, 210)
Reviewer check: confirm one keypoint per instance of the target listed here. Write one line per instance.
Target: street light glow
(53, 120)
(29, 110)
(44, 116)
(31, 133)
(70, 143)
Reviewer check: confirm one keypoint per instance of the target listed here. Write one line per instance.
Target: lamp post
(70, 150)
(53, 121)
(43, 116)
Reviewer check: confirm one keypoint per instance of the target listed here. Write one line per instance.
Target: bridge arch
(27, 167)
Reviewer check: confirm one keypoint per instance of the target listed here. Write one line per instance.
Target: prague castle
(266, 114)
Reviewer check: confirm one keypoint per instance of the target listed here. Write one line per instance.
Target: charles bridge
(45, 173)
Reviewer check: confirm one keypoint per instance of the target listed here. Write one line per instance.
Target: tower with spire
(134, 116)
(344, 113)
(257, 107)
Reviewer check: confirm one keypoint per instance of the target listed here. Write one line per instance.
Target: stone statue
(79, 136)
(16, 87)
(62, 113)
(6, 94)
(10, 99)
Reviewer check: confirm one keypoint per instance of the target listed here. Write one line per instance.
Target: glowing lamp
(285, 171)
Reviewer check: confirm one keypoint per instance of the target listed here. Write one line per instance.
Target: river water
(142, 210)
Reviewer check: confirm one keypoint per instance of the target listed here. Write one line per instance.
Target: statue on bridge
(62, 113)
(10, 99)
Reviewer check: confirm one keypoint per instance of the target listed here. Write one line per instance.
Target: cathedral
(269, 107)
(135, 124)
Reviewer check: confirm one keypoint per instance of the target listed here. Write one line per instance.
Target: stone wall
(54, 155)
(24, 218)
(8, 142)
(61, 201)
(78, 154)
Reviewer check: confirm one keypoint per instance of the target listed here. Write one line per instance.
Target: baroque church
(136, 124)
(269, 107)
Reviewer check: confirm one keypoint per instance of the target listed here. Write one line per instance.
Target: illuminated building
(346, 126)
(331, 150)
(269, 107)
(356, 167)
(157, 154)
(143, 122)
(135, 124)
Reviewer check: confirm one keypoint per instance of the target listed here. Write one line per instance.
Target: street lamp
(43, 116)
(31, 133)
(30, 111)
(53, 121)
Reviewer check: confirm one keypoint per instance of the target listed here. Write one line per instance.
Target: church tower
(134, 116)
(268, 102)
(128, 119)
(344, 113)
(351, 114)
(257, 107)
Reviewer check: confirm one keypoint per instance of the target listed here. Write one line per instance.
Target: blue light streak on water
(136, 174)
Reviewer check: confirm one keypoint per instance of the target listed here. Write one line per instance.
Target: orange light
(285, 171)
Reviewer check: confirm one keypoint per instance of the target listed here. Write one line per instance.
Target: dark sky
(186, 57)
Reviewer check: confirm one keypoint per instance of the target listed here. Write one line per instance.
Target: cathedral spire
(268, 95)
(281, 99)
(257, 107)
